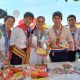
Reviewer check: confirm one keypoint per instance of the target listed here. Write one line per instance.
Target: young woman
(5, 32)
(38, 38)
(20, 38)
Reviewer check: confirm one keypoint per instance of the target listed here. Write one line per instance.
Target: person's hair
(9, 17)
(29, 14)
(71, 16)
(57, 13)
(41, 17)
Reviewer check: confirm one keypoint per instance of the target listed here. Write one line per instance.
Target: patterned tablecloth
(64, 76)
(73, 76)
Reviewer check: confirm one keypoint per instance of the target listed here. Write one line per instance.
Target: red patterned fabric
(57, 35)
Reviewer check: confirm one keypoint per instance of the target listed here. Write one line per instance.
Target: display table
(66, 74)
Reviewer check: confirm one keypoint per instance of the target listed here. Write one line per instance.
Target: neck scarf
(39, 37)
(73, 35)
(57, 35)
(27, 31)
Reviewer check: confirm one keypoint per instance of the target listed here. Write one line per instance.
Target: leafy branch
(73, 0)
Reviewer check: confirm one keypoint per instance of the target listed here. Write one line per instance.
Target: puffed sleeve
(68, 35)
(14, 35)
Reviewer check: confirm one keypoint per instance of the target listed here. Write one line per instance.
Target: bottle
(77, 56)
(28, 71)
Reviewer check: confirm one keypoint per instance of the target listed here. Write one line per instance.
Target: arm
(31, 44)
(14, 35)
(1, 56)
(70, 40)
(52, 38)
(78, 39)
(70, 45)
(2, 49)
(3, 59)
(33, 41)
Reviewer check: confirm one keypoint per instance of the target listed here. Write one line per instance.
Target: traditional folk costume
(4, 42)
(76, 40)
(61, 37)
(28, 33)
(20, 48)
(38, 40)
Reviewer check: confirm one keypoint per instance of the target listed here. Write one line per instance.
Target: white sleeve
(2, 42)
(14, 35)
(18, 38)
(69, 36)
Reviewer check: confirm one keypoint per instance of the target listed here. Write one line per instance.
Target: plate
(41, 51)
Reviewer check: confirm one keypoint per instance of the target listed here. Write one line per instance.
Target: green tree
(73, 0)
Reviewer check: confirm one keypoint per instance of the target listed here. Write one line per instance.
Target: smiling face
(40, 22)
(57, 20)
(28, 20)
(71, 21)
(9, 22)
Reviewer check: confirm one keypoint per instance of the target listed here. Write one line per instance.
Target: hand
(1, 78)
(53, 44)
(79, 48)
(11, 47)
(1, 55)
(68, 50)
(5, 61)
(43, 55)
(71, 48)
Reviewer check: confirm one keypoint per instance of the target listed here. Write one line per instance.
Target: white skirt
(35, 58)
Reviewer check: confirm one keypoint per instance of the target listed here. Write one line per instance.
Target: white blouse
(34, 57)
(65, 36)
(2, 44)
(77, 38)
(18, 38)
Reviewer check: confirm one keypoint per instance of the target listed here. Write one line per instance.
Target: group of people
(18, 46)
